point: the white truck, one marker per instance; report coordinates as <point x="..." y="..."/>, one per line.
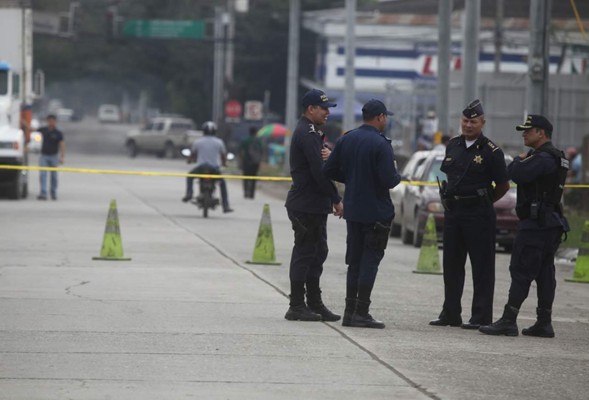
<point x="16" y="90"/>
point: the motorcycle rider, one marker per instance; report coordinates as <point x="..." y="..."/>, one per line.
<point x="210" y="154"/>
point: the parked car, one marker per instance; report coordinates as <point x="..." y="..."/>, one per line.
<point x="64" y="114"/>
<point x="109" y="113"/>
<point x="165" y="136"/>
<point x="421" y="200"/>
<point x="398" y="192"/>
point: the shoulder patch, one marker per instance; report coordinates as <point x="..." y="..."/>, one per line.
<point x="493" y="146"/>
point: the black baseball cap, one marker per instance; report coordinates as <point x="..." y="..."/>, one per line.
<point x="374" y="108"/>
<point x="535" y="121"/>
<point x="473" y="110"/>
<point x="316" y="97"/>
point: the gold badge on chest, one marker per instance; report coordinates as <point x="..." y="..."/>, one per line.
<point x="478" y="159"/>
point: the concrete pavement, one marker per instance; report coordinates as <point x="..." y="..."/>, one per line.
<point x="188" y="318"/>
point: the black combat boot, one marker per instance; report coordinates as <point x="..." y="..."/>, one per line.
<point x="315" y="303"/>
<point x="361" y="318"/>
<point x="543" y="325"/>
<point x="349" y="311"/>
<point x="506" y="325"/>
<point x="298" y="311"/>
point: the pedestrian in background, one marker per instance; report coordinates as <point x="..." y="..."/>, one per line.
<point x="52" y="154"/>
<point x="250" y="156"/>
<point x="311" y="198"/>
<point x="472" y="163"/>
<point x="540" y="175"/>
<point x="363" y="160"/>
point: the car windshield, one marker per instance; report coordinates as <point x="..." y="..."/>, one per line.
<point x="434" y="171"/>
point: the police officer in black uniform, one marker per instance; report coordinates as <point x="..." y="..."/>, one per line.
<point x="363" y="159"/>
<point x="540" y="175"/>
<point x="472" y="163"/>
<point x="310" y="199"/>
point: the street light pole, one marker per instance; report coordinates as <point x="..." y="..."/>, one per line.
<point x="472" y="11"/>
<point x="538" y="61"/>
<point x="219" y="62"/>
<point x="292" y="75"/>
<point x="349" y="89"/>
<point x="445" y="40"/>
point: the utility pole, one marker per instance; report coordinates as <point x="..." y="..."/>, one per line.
<point x="229" y="50"/>
<point x="444" y="45"/>
<point x="498" y="34"/>
<point x="218" y="72"/>
<point x="470" y="58"/>
<point x="538" y="61"/>
<point x="292" y="75"/>
<point x="349" y="119"/>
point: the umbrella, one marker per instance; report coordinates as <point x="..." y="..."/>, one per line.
<point x="272" y="130"/>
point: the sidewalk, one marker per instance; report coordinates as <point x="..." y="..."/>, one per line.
<point x="181" y="319"/>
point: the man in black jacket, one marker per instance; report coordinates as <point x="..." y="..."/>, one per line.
<point x="310" y="199"/>
<point x="540" y="175"/>
<point x="363" y="159"/>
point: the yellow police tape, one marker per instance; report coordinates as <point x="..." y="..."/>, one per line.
<point x="185" y="175"/>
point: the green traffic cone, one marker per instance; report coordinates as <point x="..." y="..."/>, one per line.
<point x="264" y="247"/>
<point x="581" y="272"/>
<point x="429" y="257"/>
<point x="112" y="244"/>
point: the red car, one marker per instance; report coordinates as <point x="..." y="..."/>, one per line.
<point x="421" y="200"/>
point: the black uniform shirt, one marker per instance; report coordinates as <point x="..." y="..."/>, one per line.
<point x="51" y="139"/>
<point x="311" y="191"/>
<point x="531" y="169"/>
<point x="475" y="167"/>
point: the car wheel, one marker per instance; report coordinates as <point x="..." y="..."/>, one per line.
<point x="417" y="237"/>
<point x="170" y="150"/>
<point x="16" y="190"/>
<point x="406" y="235"/>
<point x="132" y="149"/>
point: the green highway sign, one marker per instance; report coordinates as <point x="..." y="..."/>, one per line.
<point x="166" y="29"/>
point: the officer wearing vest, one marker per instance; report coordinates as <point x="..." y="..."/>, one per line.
<point x="472" y="164"/>
<point x="540" y="175"/>
<point x="310" y="199"/>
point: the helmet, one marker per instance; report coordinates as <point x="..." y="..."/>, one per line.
<point x="209" y="128"/>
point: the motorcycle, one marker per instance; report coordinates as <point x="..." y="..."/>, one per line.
<point x="205" y="200"/>
<point x="206" y="197"/>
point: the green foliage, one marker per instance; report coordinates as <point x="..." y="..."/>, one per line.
<point x="176" y="74"/>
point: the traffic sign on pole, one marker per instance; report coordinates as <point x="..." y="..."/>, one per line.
<point x="166" y="29"/>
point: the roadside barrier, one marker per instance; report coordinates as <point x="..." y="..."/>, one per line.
<point x="429" y="257"/>
<point x="264" y="247"/>
<point x="581" y="272"/>
<point x="112" y="245"/>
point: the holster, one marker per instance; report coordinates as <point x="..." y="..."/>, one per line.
<point x="378" y="237"/>
<point x="306" y="229"/>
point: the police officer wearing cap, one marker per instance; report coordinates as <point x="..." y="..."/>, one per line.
<point x="310" y="199"/>
<point x="363" y="160"/>
<point x="540" y="175"/>
<point x="472" y="164"/>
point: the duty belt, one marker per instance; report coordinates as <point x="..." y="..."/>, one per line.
<point x="464" y="201"/>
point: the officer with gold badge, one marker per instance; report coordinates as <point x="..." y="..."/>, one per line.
<point x="472" y="164"/>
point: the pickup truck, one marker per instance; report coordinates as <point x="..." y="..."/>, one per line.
<point x="164" y="136"/>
